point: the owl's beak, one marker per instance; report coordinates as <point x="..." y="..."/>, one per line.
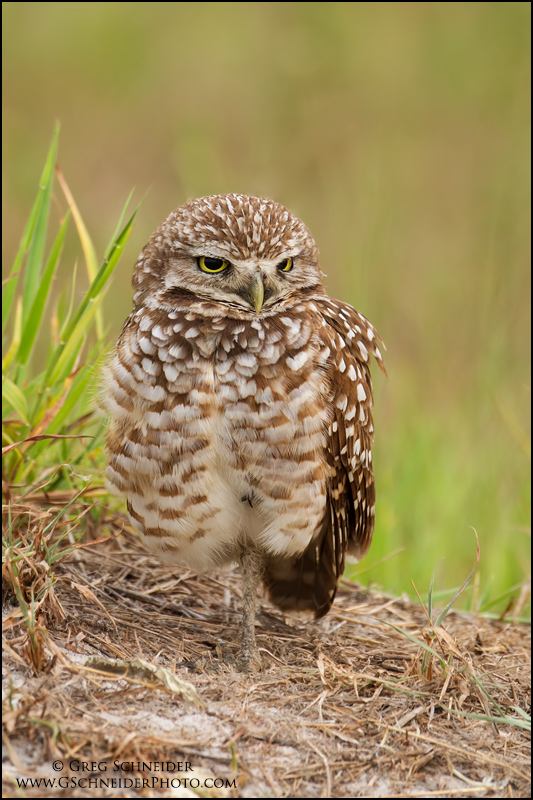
<point x="256" y="293"/>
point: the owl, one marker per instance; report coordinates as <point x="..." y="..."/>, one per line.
<point x="240" y="406"/>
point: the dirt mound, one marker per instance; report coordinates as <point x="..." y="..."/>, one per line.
<point x="346" y="707"/>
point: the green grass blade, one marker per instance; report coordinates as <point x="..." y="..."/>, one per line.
<point x="430" y="593"/>
<point x="109" y="264"/>
<point x="68" y="414"/>
<point x="522" y="713"/>
<point x="77" y="389"/>
<point x="17" y="334"/>
<point x="36" y="314"/>
<point x="80" y="386"/>
<point x="32" y="274"/>
<point x="91" y="296"/>
<point x="118" y="226"/>
<point x="63" y="511"/>
<point x="418" y="642"/>
<point x="462" y="587"/>
<point x="11" y="284"/>
<point x="64" y="320"/>
<point x="15" y="398"/>
<point x="65" y="363"/>
<point x="12" y="281"/>
<point x="525" y="724"/>
<point x="484" y="605"/>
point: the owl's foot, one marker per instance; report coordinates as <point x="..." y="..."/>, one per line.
<point x="248" y="661"/>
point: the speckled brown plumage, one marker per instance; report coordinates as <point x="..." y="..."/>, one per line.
<point x="240" y="403"/>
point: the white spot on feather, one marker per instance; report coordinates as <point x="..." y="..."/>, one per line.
<point x="171" y="373"/>
<point x="147" y="346"/>
<point x="149" y="367"/>
<point x="298" y="361"/>
<point x="350" y="413"/>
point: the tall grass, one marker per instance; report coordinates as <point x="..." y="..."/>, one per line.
<point x="51" y="441"/>
<point x="49" y="431"/>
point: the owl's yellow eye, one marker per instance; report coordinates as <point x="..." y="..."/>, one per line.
<point x="285" y="265"/>
<point x="212" y="265"/>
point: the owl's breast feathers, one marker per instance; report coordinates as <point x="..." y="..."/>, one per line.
<point x="208" y="410"/>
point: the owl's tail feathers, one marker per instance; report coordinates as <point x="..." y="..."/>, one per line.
<point x="307" y="582"/>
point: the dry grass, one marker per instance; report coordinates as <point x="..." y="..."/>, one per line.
<point x="347" y="707"/>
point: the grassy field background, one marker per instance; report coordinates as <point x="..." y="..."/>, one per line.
<point x="400" y="133"/>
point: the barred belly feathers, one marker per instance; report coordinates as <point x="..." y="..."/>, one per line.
<point x="240" y="406"/>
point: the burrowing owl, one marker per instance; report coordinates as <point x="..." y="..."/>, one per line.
<point x="240" y="406"/>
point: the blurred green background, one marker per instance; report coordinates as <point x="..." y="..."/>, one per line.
<point x="399" y="132"/>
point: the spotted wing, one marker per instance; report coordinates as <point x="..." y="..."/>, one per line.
<point x="309" y="582"/>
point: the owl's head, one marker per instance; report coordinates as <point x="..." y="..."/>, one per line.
<point x="241" y="253"/>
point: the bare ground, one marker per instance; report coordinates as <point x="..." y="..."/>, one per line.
<point x="343" y="708"/>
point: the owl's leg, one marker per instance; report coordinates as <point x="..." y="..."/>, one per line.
<point x="248" y="658"/>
